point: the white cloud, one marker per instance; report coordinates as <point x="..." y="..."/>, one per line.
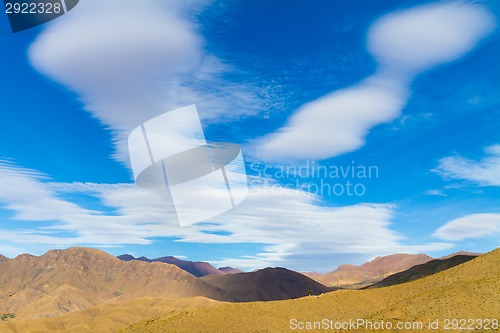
<point x="423" y="37"/>
<point x="336" y="123"/>
<point x="404" y="43"/>
<point x="300" y="233"/>
<point x="485" y="172"/>
<point x="21" y="186"/>
<point x="31" y="198"/>
<point x="470" y="226"/>
<point x="306" y="235"/>
<point x="132" y="60"/>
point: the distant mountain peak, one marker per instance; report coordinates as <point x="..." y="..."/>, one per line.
<point x="461" y="253"/>
<point x="371" y="271"/>
<point x="126" y="257"/>
<point x="196" y="268"/>
<point x="423" y="270"/>
<point x="230" y="270"/>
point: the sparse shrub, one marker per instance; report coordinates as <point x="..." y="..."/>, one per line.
<point x="7" y="316"/>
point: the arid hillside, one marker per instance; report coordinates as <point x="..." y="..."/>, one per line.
<point x="107" y="318"/>
<point x="470" y="290"/>
<point x="63" y="281"/>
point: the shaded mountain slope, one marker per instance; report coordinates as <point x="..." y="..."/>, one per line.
<point x="266" y="284"/>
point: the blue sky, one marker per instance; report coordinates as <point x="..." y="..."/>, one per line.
<point x="409" y="88"/>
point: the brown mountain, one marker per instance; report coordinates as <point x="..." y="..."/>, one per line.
<point x="63" y="281"/>
<point x="2" y="258"/>
<point x="370" y="272"/>
<point x="197" y="268"/>
<point x="266" y="284"/>
<point x="423" y="270"/>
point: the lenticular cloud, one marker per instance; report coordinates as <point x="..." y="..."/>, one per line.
<point x="404" y="44"/>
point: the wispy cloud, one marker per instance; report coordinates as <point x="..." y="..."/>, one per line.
<point x="30" y="197"/>
<point x="484" y="172"/>
<point x="24" y="192"/>
<point x="470" y="226"/>
<point x="439" y="193"/>
<point x="300" y="233"/>
<point x="404" y="43"/>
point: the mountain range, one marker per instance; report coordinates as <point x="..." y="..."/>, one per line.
<point x="196" y="268"/>
<point x="470" y="290"/>
<point x="64" y="281"/>
<point x="355" y="277"/>
<point x="159" y="297"/>
<point x="345" y="276"/>
<point x="369" y="272"/>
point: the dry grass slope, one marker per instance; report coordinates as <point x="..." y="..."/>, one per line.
<point x="106" y="318"/>
<point x="470" y="290"/>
